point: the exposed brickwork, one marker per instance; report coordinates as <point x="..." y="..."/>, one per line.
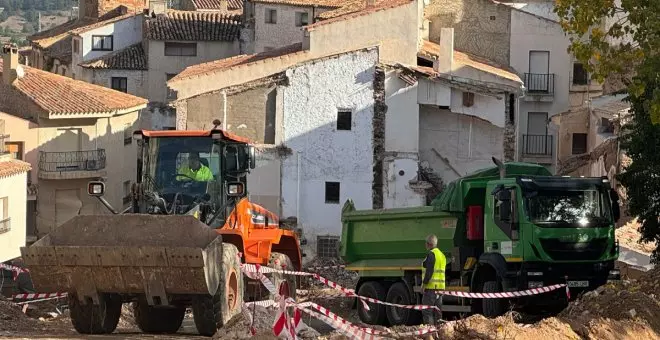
<point x="380" y="109"/>
<point x="509" y="130"/>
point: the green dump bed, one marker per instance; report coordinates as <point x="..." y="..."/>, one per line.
<point x="393" y="238"/>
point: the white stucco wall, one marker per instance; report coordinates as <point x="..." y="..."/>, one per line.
<point x="310" y="103"/>
<point x="124" y="33"/>
<point x="485" y="107"/>
<point x="13" y="188"/>
<point x="284" y="32"/>
<point x="529" y="33"/>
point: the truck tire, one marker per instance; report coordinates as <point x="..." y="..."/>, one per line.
<point x="376" y="315"/>
<point x="212" y="312"/>
<point x="399" y="294"/>
<point x="493" y="308"/>
<point x="95" y="319"/>
<point x="157" y="320"/>
<point x="283" y="262"/>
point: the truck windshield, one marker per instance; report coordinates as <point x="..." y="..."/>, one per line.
<point x="570" y="208"/>
<point x="182" y="164"/>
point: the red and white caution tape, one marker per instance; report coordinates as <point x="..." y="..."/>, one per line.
<point x="504" y="295"/>
<point x="34" y="296"/>
<point x="14" y="268"/>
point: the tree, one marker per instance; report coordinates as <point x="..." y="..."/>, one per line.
<point x="610" y="37"/>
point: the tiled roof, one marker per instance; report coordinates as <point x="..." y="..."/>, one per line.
<point x="129" y="58"/>
<point x="49" y="37"/>
<point x="13" y="167"/>
<point x="194" y="26"/>
<point x="232" y="5"/>
<point x="355" y="8"/>
<point x="57" y="94"/>
<point x="322" y="3"/>
<point x="227" y="63"/>
<point x="433" y="49"/>
<point x="91" y="26"/>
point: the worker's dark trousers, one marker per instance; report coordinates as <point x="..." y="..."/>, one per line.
<point x="431" y="298"/>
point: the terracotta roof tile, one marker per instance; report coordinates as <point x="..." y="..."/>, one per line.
<point x="322" y="3"/>
<point x="432" y="49"/>
<point x="91" y="26"/>
<point x="13" y="167"/>
<point x="232" y="5"/>
<point x="227" y="63"/>
<point x="57" y="94"/>
<point x="129" y="58"/>
<point x="194" y="26"/>
<point x="354" y="9"/>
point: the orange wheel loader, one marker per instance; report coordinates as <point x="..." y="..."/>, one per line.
<point x="176" y="246"/>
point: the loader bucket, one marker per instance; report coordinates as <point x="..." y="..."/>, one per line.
<point x="155" y="255"/>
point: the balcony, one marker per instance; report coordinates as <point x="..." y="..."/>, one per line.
<point x="72" y="164"/>
<point x="537" y="148"/>
<point x="5" y="225"/>
<point x="540" y="85"/>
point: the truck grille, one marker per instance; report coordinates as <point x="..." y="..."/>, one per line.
<point x="575" y="251"/>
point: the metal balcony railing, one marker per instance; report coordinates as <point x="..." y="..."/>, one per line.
<point x="540" y="83"/>
<point x="537" y="145"/>
<point x="5" y="225"/>
<point x="89" y="160"/>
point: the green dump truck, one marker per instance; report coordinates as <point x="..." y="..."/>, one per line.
<point x="511" y="227"/>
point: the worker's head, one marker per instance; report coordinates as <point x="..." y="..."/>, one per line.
<point x="193" y="160"/>
<point x="431" y="242"/>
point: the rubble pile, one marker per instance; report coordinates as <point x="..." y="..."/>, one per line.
<point x="629" y="235"/>
<point x="12" y="317"/>
<point x="341" y="276"/>
<point x="238" y="327"/>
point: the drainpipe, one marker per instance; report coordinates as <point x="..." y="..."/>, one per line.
<point x="224" y="109"/>
<point x="298" y="188"/>
<point x="516" y="116"/>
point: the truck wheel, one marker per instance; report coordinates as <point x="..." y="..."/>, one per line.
<point x="157" y="320"/>
<point x="399" y="294"/>
<point x="283" y="262"/>
<point x="95" y="319"/>
<point x="212" y="312"/>
<point x="376" y="315"/>
<point x="493" y="308"/>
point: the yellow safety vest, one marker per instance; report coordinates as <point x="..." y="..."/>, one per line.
<point x="437" y="280"/>
<point x="201" y="175"/>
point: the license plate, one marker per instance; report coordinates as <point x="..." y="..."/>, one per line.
<point x="578" y="283"/>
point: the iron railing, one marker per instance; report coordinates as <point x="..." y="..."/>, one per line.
<point x="5" y="225"/>
<point x="540" y="83"/>
<point x="538" y="145"/>
<point x="89" y="160"/>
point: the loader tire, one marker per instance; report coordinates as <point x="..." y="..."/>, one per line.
<point x="212" y="312"/>
<point x="157" y="320"/>
<point x="283" y="262"/>
<point x="95" y="319"/>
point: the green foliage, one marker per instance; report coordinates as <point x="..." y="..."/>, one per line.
<point x="594" y="26"/>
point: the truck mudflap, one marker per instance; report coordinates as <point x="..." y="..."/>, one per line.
<point x="155" y="255"/>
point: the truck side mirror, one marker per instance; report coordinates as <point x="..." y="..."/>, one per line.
<point x="252" y="156"/>
<point x="235" y="189"/>
<point x="616" y="210"/>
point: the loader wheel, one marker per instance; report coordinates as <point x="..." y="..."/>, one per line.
<point x="493" y="308"/>
<point x="157" y="320"/>
<point x="212" y="312"/>
<point x="376" y="315"/>
<point x="95" y="319"/>
<point x="285" y="284"/>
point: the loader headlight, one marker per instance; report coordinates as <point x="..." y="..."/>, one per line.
<point x="95" y="188"/>
<point x="235" y="189"/>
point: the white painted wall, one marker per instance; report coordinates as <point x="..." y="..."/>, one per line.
<point x="310" y="103"/>
<point x="124" y="33"/>
<point x="485" y="107"/>
<point x="529" y="33"/>
<point x="13" y="188"/>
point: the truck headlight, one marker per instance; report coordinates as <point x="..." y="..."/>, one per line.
<point x="534" y="273"/>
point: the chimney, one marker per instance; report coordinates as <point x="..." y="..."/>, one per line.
<point x="444" y="63"/>
<point x="9" y="63"/>
<point x="371" y="3"/>
<point x="157" y="7"/>
<point x="224" y="5"/>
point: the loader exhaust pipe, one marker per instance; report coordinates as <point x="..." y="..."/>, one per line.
<point x="501" y="167"/>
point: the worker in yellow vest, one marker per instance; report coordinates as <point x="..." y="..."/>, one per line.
<point x="433" y="279"/>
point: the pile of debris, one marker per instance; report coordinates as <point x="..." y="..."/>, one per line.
<point x="629" y="236"/>
<point x="330" y="269"/>
<point x="13" y="319"/>
<point x="239" y="326"/>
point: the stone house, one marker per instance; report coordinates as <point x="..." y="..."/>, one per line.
<point x="84" y="132"/>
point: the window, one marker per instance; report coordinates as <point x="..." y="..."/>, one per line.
<point x="181" y="49"/>
<point x="76" y="46"/>
<point x="579" y="143"/>
<point x="468" y="99"/>
<point x="5" y="222"/>
<point x="101" y="43"/>
<point x="327" y="246"/>
<point x="302" y="19"/>
<point x="271" y="16"/>
<point x="512" y="108"/>
<point x="119" y="84"/>
<point x="580" y="76"/>
<point x="606" y="126"/>
<point x="128" y="134"/>
<point x="127" y="192"/>
<point x="344" y="120"/>
<point x="332" y="192"/>
<point x="171" y="94"/>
